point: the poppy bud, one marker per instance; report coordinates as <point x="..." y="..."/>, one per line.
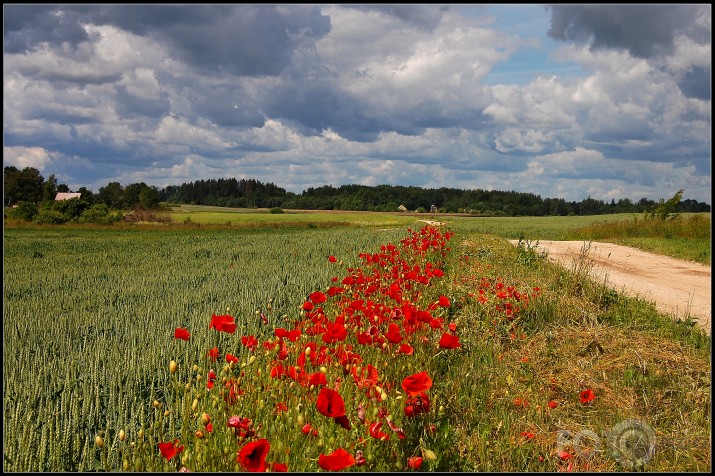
<point x="323" y="370"/>
<point x="307" y="351"/>
<point x="251" y="359"/>
<point x="300" y="420"/>
<point x="141" y="433"/>
<point x="156" y="403"/>
<point x="195" y="404"/>
<point x="429" y="454"/>
<point x="205" y="419"/>
<point x="99" y="441"/>
<point x="122" y="435"/>
<point x="167" y="413"/>
<point x="125" y="465"/>
<point x="173" y="366"/>
<point x="199" y="434"/>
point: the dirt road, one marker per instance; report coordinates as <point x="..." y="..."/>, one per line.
<point x="676" y="287"/>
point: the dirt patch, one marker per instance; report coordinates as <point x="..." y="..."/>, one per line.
<point x="676" y="287"/>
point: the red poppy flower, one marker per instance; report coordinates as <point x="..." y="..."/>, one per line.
<point x="170" y="449"/>
<point x="444" y="301"/>
<point x="452" y="327"/>
<point x="279" y="467"/>
<point x="414" y="462"/>
<point x="414" y="405"/>
<point x="249" y="341"/>
<point x="223" y="323"/>
<point x="528" y="435"/>
<point x="253" y="456"/>
<point x="336" y="461"/>
<point x="213" y="354"/>
<point x="211" y="379"/>
<point x="376" y="433"/>
<point x="521" y="402"/>
<point x="332" y="259"/>
<point x="318" y="297"/>
<point x="393" y="333"/>
<point x="318" y="378"/>
<point x="181" y="333"/>
<point x="449" y="341"/>
<point x="417" y="383"/>
<point x="406" y="349"/>
<point x="587" y="396"/>
<point x="308" y="306"/>
<point x="231" y="358"/>
<point x="330" y="403"/>
<point x="552" y="404"/>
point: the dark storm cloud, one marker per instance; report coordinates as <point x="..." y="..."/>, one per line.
<point x="246" y="40"/>
<point x="697" y="83"/>
<point x="644" y="30"/>
<point x="28" y="26"/>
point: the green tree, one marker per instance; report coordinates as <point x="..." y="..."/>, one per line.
<point x="666" y="210"/>
<point x="49" y="188"/>
<point x="111" y="195"/>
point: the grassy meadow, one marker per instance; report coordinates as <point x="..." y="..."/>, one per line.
<point x="90" y="313"/>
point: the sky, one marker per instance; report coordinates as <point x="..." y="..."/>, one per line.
<point x="563" y="101"/>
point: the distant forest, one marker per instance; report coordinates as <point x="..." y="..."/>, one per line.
<point x="27" y="185"/>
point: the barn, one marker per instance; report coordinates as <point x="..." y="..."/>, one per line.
<point x="67" y="195"/>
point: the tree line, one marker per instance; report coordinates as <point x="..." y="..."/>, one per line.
<point x="28" y="186"/>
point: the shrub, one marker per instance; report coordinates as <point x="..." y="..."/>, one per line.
<point x="24" y="211"/>
<point x="50" y="217"/>
<point x="276" y="210"/>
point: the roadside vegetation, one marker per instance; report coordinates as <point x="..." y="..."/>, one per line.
<point x="184" y="345"/>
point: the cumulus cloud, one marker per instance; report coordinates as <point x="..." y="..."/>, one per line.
<point x="307" y="95"/>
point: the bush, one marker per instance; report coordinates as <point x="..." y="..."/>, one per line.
<point x="50" y="217"/>
<point x="276" y="210"/>
<point x="24" y="211"/>
<point x="99" y="214"/>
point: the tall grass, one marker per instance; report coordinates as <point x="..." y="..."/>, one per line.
<point x="686" y="237"/>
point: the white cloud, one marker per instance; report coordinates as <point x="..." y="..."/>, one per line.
<point x="22" y="157"/>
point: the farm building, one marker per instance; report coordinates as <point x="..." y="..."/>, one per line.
<point x="66" y="196"/>
<point x="402" y="208"/>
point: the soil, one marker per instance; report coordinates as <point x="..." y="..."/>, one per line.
<point x="676" y="287"/>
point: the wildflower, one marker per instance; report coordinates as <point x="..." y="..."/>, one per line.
<point x="587" y="396"/>
<point x="279" y="467"/>
<point x="414" y="462"/>
<point x="330" y="403"/>
<point x="417" y="383"/>
<point x="332" y="259"/>
<point x="253" y="456"/>
<point x="416" y="404"/>
<point x="376" y="433"/>
<point x="336" y="461"/>
<point x="393" y="334"/>
<point x="173" y="366"/>
<point x="444" y="301"/>
<point x="528" y="435"/>
<point x="521" y="402"/>
<point x="170" y="449"/>
<point x="224" y="323"/>
<point x="181" y="333"/>
<point x="249" y="341"/>
<point x="231" y="358"/>
<point x="449" y="341"/>
<point x="211" y="379"/>
<point x="552" y="404"/>
<point x="212" y="354"/>
<point x="318" y="297"/>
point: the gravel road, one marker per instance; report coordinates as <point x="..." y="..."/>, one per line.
<point x="676" y="287"/>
